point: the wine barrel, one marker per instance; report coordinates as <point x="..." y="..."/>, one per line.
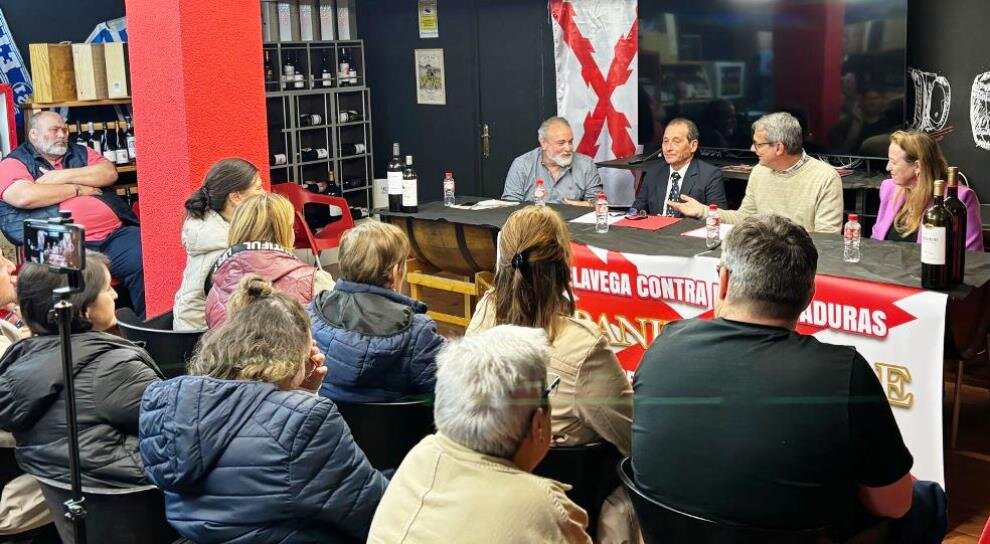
<point x="452" y="247"/>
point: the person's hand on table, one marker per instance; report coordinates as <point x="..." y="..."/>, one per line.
<point x="584" y="203"/>
<point x="316" y="369"/>
<point x="689" y="207"/>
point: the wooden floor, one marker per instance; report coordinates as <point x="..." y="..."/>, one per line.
<point x="967" y="469"/>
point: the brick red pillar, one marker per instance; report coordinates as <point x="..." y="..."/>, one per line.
<point x="198" y="93"/>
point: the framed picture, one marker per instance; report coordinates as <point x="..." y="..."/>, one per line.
<point x="430" y="84"/>
<point x="8" y="123"/>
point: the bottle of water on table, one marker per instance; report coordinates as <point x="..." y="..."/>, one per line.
<point x="540" y="194"/>
<point x="851" y="234"/>
<point x="601" y="214"/>
<point x="713" y="227"/>
<point x="448" y="189"/>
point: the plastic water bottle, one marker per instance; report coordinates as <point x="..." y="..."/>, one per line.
<point x="601" y="214"/>
<point x="713" y="227"/>
<point x="851" y="234"/>
<point x="448" y="189"/>
<point x="540" y="194"/>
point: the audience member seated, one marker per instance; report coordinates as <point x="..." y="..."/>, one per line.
<point x="204" y="234"/>
<point x="681" y="175"/>
<point x="260" y="242"/>
<point x="569" y="177"/>
<point x="471" y="481"/>
<point x="243" y="448"/>
<point x="787" y="181"/>
<point x="380" y="344"/>
<point x="742" y="420"/>
<point x="914" y="162"/>
<point x="22" y="506"/>
<point x="47" y="174"/>
<point x="110" y="376"/>
<point x="867" y="119"/>
<point x="533" y="289"/>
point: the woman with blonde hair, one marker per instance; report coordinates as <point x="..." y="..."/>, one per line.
<point x="243" y="448"/>
<point x="380" y="344"/>
<point x="533" y="289"/>
<point x="205" y="230"/>
<point x="260" y="242"/>
<point x="914" y="162"/>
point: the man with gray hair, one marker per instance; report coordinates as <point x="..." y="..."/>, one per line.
<point x="568" y="176"/>
<point x="47" y="174"/>
<point x="471" y="481"/>
<point x="743" y="420"/>
<point x="787" y="181"/>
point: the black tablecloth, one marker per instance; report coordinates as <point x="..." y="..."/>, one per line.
<point x="897" y="263"/>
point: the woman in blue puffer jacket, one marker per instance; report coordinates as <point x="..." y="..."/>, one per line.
<point x="243" y="449"/>
<point x="379" y="344"/>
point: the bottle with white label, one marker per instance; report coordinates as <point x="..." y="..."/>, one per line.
<point x="448" y="189"/>
<point x="129" y="135"/>
<point x="311" y="154"/>
<point x="713" y="227"/>
<point x="410" y="182"/>
<point x="601" y="214"/>
<point x="851" y="235"/>
<point x="394" y="179"/>
<point x="540" y="194"/>
<point x="121" y="143"/>
<point x="94" y="142"/>
<point x="935" y="223"/>
<point x="107" y="143"/>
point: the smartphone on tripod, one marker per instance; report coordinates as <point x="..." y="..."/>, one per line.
<point x="60" y="246"/>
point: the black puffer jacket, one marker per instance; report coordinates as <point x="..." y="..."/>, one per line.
<point x="110" y="375"/>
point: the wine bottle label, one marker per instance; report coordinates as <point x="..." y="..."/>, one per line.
<point x="96" y="146"/>
<point x="394" y="183"/>
<point x="131" y="151"/>
<point x="110" y="155"/>
<point x="358" y="149"/>
<point x="932" y="245"/>
<point x="122" y="157"/>
<point x="322" y="153"/>
<point x="280" y="158"/>
<point x="409" y="197"/>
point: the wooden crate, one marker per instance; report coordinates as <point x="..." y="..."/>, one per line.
<point x="116" y="58"/>
<point x="52" y="72"/>
<point x="91" y="71"/>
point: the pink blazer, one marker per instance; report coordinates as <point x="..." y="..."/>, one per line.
<point x="889" y="208"/>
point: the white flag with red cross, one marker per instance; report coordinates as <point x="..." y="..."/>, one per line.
<point x="595" y="52"/>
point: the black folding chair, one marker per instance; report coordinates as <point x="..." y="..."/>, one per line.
<point x="386" y="431"/>
<point x="170" y="349"/>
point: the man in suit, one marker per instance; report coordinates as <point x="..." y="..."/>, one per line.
<point x="682" y="175"/>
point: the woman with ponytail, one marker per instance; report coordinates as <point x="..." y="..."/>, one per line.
<point x="533" y="289"/>
<point x="204" y="233"/>
<point x="243" y="448"/>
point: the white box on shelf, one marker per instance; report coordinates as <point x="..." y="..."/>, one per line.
<point x="288" y="21"/>
<point x="326" y="20"/>
<point x="346" y="22"/>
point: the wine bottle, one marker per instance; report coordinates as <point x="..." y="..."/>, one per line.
<point x="129" y="136"/>
<point x="410" y="181"/>
<point x="269" y="74"/>
<point x="326" y="71"/>
<point x="956" y="242"/>
<point x="121" y="144"/>
<point x="278" y="159"/>
<point x="106" y="143"/>
<point x="78" y="136"/>
<point x="343" y="77"/>
<point x="934" y="236"/>
<point x="310" y="119"/>
<point x="311" y="154"/>
<point x="394" y="175"/>
<point x="332" y="188"/>
<point x="347" y="150"/>
<point x="93" y="141"/>
<point x="348" y="116"/>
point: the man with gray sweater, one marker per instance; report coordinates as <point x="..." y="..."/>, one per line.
<point x="787" y="181"/>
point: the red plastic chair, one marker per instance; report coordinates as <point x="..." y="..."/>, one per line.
<point x="327" y="237"/>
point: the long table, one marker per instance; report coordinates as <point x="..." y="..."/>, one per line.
<point x="631" y="282"/>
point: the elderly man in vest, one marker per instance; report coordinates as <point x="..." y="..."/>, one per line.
<point x="47" y="174"/>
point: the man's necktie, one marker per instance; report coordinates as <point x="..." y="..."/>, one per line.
<point x="675" y="193"/>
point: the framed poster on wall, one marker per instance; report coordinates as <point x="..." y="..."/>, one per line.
<point x="430" y="85"/>
<point x="8" y="123"/>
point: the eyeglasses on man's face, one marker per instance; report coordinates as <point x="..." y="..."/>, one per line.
<point x="757" y="145"/>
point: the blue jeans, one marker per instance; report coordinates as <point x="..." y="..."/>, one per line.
<point x="123" y="248"/>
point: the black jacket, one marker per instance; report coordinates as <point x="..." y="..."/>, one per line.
<point x="110" y="376"/>
<point x="702" y="182"/>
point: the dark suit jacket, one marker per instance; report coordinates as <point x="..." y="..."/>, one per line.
<point x="702" y="181"/>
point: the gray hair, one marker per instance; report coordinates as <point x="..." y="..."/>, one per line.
<point x="541" y="132"/>
<point x="692" y="129"/>
<point x="784" y="128"/>
<point x="488" y="385"/>
<point x="36" y="118"/>
<point x="772" y="263"/>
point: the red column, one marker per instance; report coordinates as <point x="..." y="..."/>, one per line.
<point x="198" y="93"/>
<point x="807" y="52"/>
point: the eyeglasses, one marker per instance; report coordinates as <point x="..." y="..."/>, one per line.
<point x="758" y="144"/>
<point x="550" y="388"/>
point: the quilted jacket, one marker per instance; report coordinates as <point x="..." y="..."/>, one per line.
<point x="380" y="345"/>
<point x="244" y="462"/>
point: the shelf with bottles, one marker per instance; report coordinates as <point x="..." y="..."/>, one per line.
<point x="293" y="67"/>
<point x="113" y="139"/>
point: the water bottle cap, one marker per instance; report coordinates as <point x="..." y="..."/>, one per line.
<point x="601" y="195"/>
<point x="448" y="174"/>
<point x="713" y="207"/>
<point x="854" y="217"/>
<point x="539" y="182"/>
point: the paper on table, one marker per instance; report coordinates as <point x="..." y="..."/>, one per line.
<point x="724" y="230"/>
<point x="653" y="222"/>
<point x="589" y="218"/>
<point x="486" y="205"/>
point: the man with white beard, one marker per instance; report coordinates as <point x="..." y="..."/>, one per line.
<point x="47" y="174"/>
<point x="569" y="177"/>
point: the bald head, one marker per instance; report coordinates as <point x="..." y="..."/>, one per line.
<point x="48" y="134"/>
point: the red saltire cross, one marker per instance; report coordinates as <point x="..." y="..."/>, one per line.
<point x="618" y="74"/>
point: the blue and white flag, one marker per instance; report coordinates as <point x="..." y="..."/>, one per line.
<point x="12" y="69"/>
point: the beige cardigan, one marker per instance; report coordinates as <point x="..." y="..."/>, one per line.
<point x="444" y="493"/>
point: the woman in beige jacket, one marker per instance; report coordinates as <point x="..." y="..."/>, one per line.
<point x="204" y="233"/>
